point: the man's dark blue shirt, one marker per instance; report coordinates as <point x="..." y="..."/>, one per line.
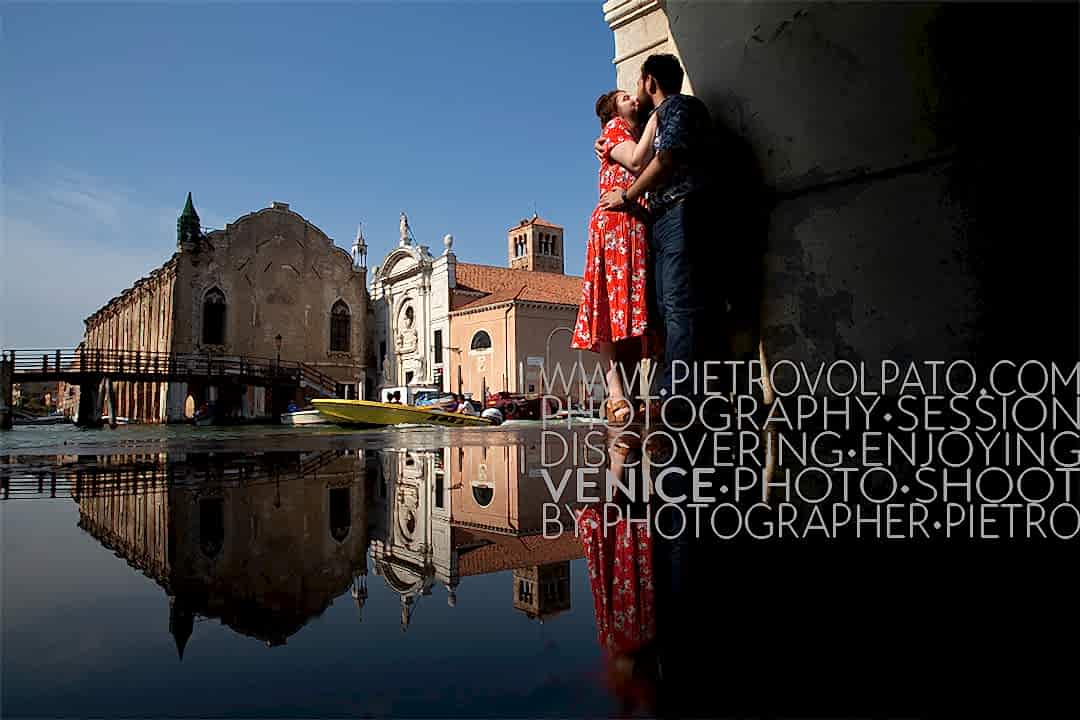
<point x="684" y="128"/>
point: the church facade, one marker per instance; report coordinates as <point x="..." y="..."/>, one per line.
<point x="469" y="328"/>
<point x="269" y="285"/>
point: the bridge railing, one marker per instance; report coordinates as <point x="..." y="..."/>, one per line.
<point x="38" y="362"/>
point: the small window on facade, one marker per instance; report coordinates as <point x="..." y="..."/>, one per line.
<point x="438" y="346"/>
<point x="339" y="327"/>
<point x="481" y="341"/>
<point x="214" y="317"/>
<point x="483" y="495"/>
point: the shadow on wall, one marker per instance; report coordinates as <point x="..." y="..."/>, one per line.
<point x="896" y="181"/>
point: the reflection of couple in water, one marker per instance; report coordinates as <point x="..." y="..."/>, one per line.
<point x="619" y="555"/>
<point x="648" y="259"/>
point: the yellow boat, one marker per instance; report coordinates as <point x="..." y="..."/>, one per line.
<point x="376" y="414"/>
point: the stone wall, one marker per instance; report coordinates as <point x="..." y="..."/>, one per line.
<point x="890" y="189"/>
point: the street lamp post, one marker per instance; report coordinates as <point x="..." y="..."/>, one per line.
<point x="277" y="344"/>
<point x="547" y="360"/>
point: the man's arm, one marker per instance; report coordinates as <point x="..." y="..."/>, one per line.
<point x="657" y="171"/>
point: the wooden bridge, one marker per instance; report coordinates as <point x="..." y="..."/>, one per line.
<point x="43" y="478"/>
<point x="90" y="367"/>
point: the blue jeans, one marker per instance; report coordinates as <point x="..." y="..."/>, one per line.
<point x="684" y="283"/>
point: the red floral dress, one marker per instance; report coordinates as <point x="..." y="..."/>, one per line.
<point x="621" y="576"/>
<point x="613" y="300"/>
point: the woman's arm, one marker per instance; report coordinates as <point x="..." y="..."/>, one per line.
<point x="635" y="157"/>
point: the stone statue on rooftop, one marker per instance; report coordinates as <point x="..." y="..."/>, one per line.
<point x="406" y="231"/>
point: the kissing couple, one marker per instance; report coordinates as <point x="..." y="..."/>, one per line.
<point x="650" y="267"/>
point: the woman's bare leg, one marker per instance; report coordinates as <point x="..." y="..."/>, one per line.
<point x="612" y="377"/>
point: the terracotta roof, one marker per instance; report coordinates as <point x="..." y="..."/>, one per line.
<point x="501" y="284"/>
<point x="506" y="553"/>
<point x="536" y="220"/>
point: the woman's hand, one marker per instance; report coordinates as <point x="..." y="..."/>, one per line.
<point x="600" y="147"/>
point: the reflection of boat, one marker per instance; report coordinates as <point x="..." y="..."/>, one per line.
<point x="371" y="413"/>
<point x="204" y="415"/>
<point x="518" y="406"/>
<point x="309" y="416"/>
<point x="50" y="419"/>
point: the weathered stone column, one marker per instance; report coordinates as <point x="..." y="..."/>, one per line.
<point x="640" y="28"/>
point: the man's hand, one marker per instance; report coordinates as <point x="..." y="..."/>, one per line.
<point x="612" y="200"/>
<point x="603" y="152"/>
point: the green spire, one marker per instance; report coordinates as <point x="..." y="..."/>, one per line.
<point x="189" y="208"/>
<point x="188" y="229"/>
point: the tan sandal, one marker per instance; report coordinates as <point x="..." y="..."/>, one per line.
<point x="623" y="443"/>
<point x="618" y="412"/>
<point x="659" y="447"/>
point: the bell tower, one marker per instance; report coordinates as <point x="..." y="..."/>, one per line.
<point x="535" y="244"/>
<point x="188" y="229"/>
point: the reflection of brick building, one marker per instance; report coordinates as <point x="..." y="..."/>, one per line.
<point x="468" y="326"/>
<point x="263" y="546"/>
<point x="502" y="489"/>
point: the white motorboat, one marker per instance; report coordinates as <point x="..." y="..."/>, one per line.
<point x="308" y="416"/>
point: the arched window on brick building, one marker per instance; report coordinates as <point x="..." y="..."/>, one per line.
<point x="213" y="331"/>
<point x="339" y="327"/>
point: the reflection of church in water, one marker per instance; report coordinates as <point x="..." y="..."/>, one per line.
<point x="447" y="514"/>
<point x="266" y="543"/>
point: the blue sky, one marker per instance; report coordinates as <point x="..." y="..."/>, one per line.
<point x="466" y="115"/>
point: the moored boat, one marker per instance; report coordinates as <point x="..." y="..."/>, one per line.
<point x="377" y="414"/>
<point x="303" y="417"/>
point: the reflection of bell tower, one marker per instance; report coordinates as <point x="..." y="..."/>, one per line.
<point x="181" y="623"/>
<point x="536" y="244"/>
<point x="359" y="591"/>
<point x="542" y="591"/>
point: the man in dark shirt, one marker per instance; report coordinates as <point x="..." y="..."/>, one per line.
<point x="677" y="184"/>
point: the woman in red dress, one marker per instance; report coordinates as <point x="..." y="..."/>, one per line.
<point x="619" y="557"/>
<point x="613" y="303"/>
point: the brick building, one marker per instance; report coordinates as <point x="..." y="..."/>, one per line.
<point x="269" y="285"/>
